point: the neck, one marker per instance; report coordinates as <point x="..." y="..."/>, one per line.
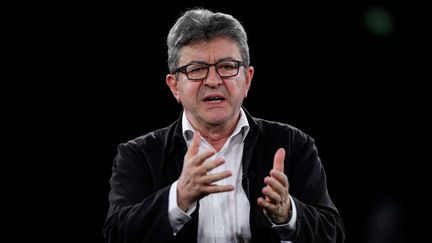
<point x="218" y="134"/>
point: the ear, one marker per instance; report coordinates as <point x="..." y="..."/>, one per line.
<point x="171" y="81"/>
<point x="249" y="75"/>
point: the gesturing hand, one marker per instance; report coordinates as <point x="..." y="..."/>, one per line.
<point x="194" y="182"/>
<point x="276" y="204"/>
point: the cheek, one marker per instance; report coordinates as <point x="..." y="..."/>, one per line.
<point x="237" y="90"/>
<point x="187" y="92"/>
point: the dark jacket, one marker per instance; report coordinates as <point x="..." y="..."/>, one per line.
<point x="145" y="168"/>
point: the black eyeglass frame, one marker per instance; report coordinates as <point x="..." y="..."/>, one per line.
<point x="182" y="69"/>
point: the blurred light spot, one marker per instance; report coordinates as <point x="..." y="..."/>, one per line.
<point x="385" y="220"/>
<point x="379" y="22"/>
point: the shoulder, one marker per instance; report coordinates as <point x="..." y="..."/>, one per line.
<point x="138" y="154"/>
<point x="152" y="141"/>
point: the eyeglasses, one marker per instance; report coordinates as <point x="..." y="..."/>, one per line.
<point x="199" y="71"/>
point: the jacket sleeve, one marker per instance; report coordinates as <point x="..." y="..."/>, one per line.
<point x="138" y="211"/>
<point x="317" y="217"/>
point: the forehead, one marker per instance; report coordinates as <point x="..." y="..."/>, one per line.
<point x="210" y="50"/>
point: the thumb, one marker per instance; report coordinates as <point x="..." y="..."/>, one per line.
<point x="278" y="163"/>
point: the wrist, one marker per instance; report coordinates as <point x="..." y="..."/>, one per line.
<point x="182" y="203"/>
<point x="282" y="219"/>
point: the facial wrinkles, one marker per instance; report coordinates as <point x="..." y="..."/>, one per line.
<point x="211" y="52"/>
<point x="205" y="90"/>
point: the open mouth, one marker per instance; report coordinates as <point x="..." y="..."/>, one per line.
<point x="213" y="99"/>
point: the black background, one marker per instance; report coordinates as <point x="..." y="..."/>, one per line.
<point x="94" y="78"/>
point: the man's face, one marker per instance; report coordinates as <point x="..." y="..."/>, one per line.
<point x="212" y="101"/>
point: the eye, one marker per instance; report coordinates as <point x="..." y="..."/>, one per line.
<point x="196" y="69"/>
<point x="227" y="66"/>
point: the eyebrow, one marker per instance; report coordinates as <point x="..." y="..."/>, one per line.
<point x="217" y="60"/>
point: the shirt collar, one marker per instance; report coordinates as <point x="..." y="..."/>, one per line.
<point x="241" y="127"/>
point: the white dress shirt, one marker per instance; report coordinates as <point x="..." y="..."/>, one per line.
<point x="223" y="217"/>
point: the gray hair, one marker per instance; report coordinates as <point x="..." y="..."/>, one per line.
<point x="201" y="24"/>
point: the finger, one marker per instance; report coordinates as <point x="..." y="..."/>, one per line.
<point x="209" y="179"/>
<point x="281" y="177"/>
<point x="271" y="194"/>
<point x="200" y="158"/>
<point x="278" y="162"/>
<point x="210" y="165"/>
<point x="194" y="147"/>
<point x="266" y="205"/>
<point x="275" y="185"/>
<point x="218" y="188"/>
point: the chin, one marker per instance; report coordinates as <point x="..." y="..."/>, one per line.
<point x="219" y="119"/>
<point x="217" y="116"/>
<point x="216" y="121"/>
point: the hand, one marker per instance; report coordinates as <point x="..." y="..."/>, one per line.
<point x="277" y="203"/>
<point x="194" y="182"/>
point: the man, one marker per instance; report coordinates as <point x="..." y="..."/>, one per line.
<point x="217" y="174"/>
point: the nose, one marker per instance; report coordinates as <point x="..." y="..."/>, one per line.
<point x="213" y="79"/>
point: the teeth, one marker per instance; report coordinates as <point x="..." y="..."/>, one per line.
<point x="213" y="98"/>
<point x="214" y="101"/>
